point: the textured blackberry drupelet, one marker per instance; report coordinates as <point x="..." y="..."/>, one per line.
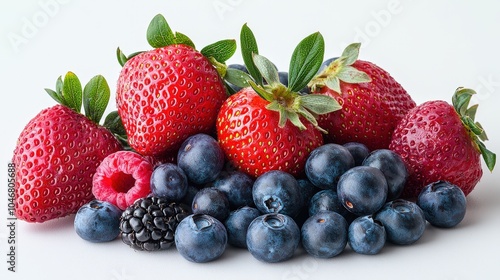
<point x="149" y="224"/>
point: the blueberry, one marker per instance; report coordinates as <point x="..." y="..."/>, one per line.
<point x="201" y="158"/>
<point x="169" y="181"/>
<point x="98" y="221"/>
<point x="328" y="200"/>
<point x="443" y="203"/>
<point x="324" y="235"/>
<point x="237" y="225"/>
<point x="307" y="190"/>
<point x="393" y="167"/>
<point x="190" y="194"/>
<point x="212" y="202"/>
<point x="359" y="152"/>
<point x="273" y="237"/>
<point x="200" y="238"/>
<point x="366" y="235"/>
<point x="277" y="192"/>
<point x="403" y="220"/>
<point x="283" y="77"/>
<point x="237" y="186"/>
<point x="362" y="190"/>
<point x="326" y="164"/>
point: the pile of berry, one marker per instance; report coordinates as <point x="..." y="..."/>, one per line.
<point x="200" y="154"/>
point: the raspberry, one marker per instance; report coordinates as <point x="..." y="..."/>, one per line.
<point x="122" y="178"/>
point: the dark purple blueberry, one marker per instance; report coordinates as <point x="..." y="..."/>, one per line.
<point x="237" y="225"/>
<point x="277" y="192"/>
<point x="362" y="190"/>
<point x="403" y="220"/>
<point x="326" y="164"/>
<point x="212" y="202"/>
<point x="200" y="238"/>
<point x="237" y="186"/>
<point x="443" y="203"/>
<point x="201" y="158"/>
<point x="328" y="200"/>
<point x="190" y="194"/>
<point x="307" y="191"/>
<point x="273" y="237"/>
<point x="169" y="181"/>
<point x="393" y="167"/>
<point x="359" y="152"/>
<point x="98" y="221"/>
<point x="324" y="235"/>
<point x="366" y="235"/>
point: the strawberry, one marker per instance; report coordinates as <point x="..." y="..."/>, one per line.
<point x="166" y="94"/>
<point x="441" y="141"/>
<point x="372" y="101"/>
<point x="58" y="151"/>
<point x="270" y="126"/>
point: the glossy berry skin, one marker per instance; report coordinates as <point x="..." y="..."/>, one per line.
<point x="443" y="203"/>
<point x="169" y="181"/>
<point x="370" y="111"/>
<point x="307" y="190"/>
<point x="328" y="200"/>
<point x="324" y="235"/>
<point x="273" y="238"/>
<point x="358" y="151"/>
<point x="277" y="192"/>
<point x="435" y="146"/>
<point x="326" y="164"/>
<point x="237" y="225"/>
<point x="403" y="220"/>
<point x="366" y="235"/>
<point x="200" y="238"/>
<point x="165" y="95"/>
<point x="122" y="178"/>
<point x="201" y="158"/>
<point x="254" y="143"/>
<point x="362" y="190"/>
<point x="212" y="202"/>
<point x="237" y="186"/>
<point x="98" y="221"/>
<point x="56" y="155"/>
<point x="393" y="167"/>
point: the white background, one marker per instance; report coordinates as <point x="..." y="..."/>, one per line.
<point x="430" y="47"/>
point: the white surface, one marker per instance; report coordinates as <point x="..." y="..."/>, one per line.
<point x="430" y="48"/>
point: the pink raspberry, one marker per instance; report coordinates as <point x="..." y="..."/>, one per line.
<point x="122" y="178"/>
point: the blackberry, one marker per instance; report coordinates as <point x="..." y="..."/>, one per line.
<point x="149" y="224"/>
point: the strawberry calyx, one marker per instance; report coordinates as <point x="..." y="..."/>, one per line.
<point x="460" y="101"/>
<point x="288" y="101"/>
<point x="94" y="97"/>
<point x="159" y="35"/>
<point x="341" y="69"/>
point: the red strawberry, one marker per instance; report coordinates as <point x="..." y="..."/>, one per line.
<point x="167" y="94"/>
<point x="272" y="127"/>
<point x="253" y="142"/>
<point x="372" y="101"/>
<point x="439" y="141"/>
<point x="59" y="150"/>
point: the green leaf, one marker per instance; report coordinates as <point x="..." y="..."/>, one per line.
<point x="237" y="77"/>
<point x="122" y="58"/>
<point x="159" y="33"/>
<point x="489" y="157"/>
<point x="261" y="92"/>
<point x="221" y="50"/>
<point x="266" y="69"/>
<point x="352" y="75"/>
<point x="248" y="49"/>
<point x="72" y="92"/>
<point x="333" y="83"/>
<point x="59" y="86"/>
<point x="54" y="95"/>
<point x="113" y="123"/>
<point x="319" y="103"/>
<point x="471" y="112"/>
<point x="461" y="99"/>
<point x="181" y="38"/>
<point x="351" y="53"/>
<point x="95" y="98"/>
<point x="306" y="60"/>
